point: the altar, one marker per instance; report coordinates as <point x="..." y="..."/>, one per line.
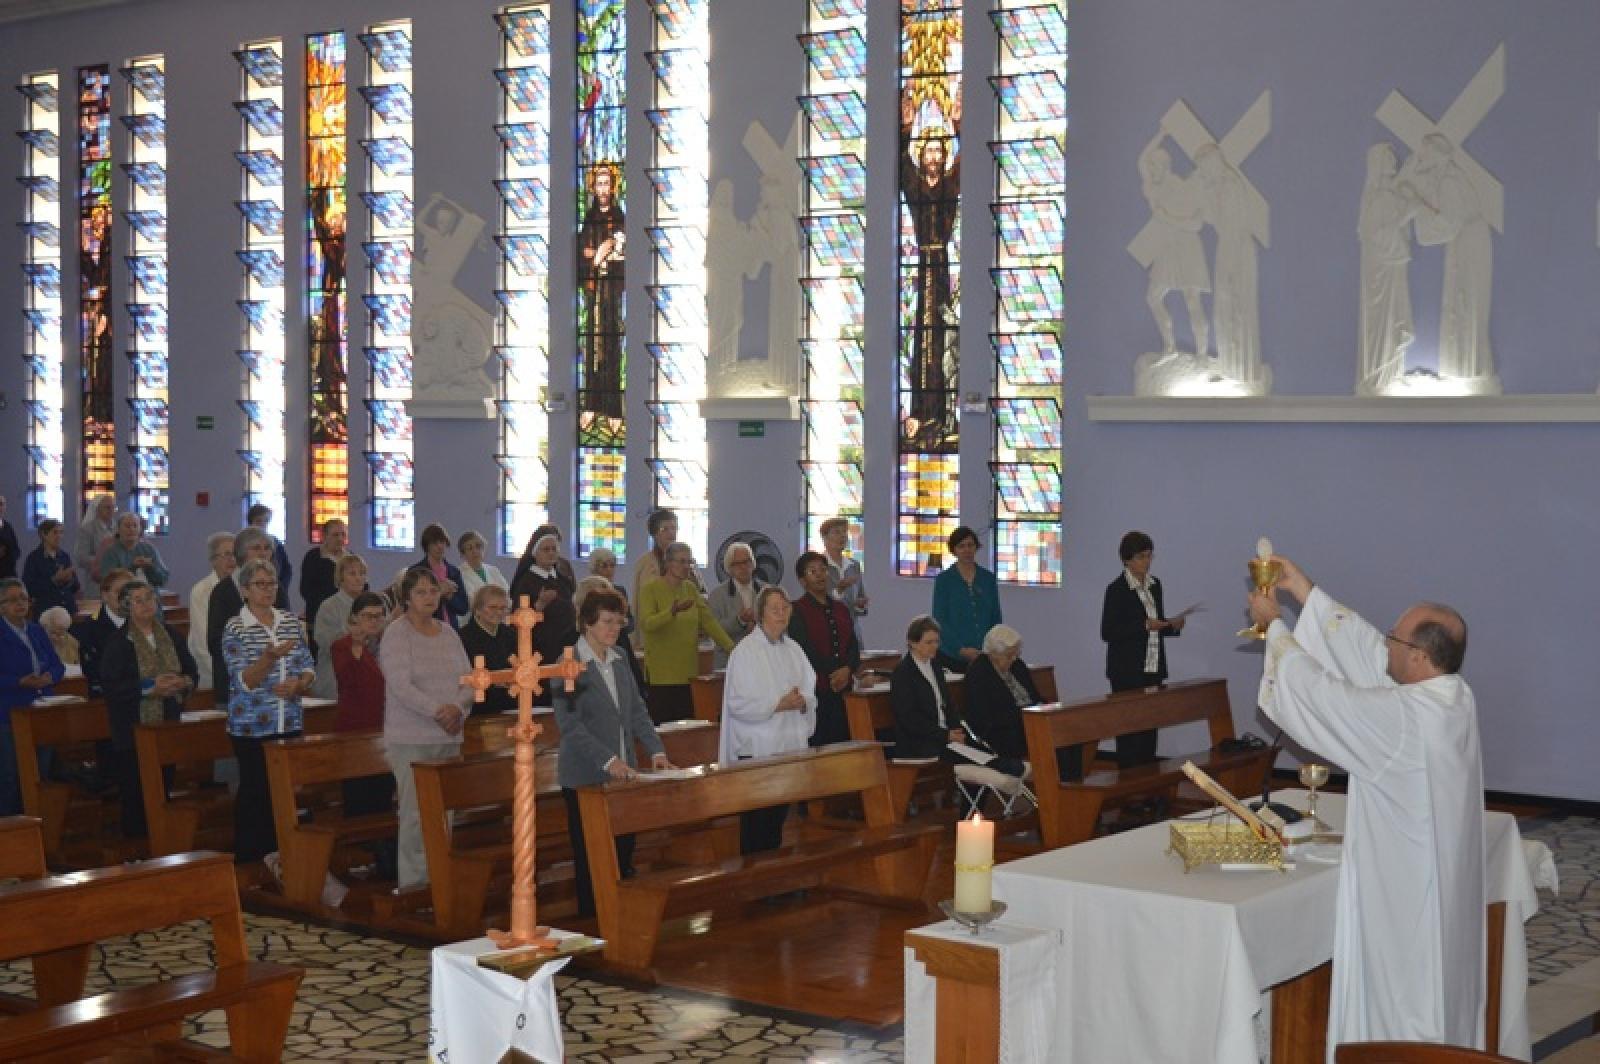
<point x="1160" y="965"/>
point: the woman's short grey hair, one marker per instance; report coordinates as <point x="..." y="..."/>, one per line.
<point x="1001" y="639"/>
<point x="602" y="556"/>
<point x="214" y="544"/>
<point x="116" y="522"/>
<point x="55" y="617"/>
<point x="487" y="592"/>
<point x="247" y="538"/>
<point x="677" y="548"/>
<point x="254" y="568"/>
<point x="736" y="548"/>
<point x="590" y="584"/>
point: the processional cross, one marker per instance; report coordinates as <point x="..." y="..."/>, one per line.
<point x="522" y="681"/>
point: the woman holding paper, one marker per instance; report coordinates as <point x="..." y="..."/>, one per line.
<point x="926" y="724"/>
<point x="600" y="719"/>
<point x="1135" y="630"/>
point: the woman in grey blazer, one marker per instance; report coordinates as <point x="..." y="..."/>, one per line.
<point x="600" y="720"/>
<point x="733" y="602"/>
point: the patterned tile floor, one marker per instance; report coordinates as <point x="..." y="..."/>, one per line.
<point x="366" y="999"/>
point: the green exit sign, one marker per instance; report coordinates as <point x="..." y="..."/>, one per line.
<point x="752" y="429"/>
<point x="205" y="422"/>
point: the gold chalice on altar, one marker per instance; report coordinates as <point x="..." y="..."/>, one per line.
<point x="1264" y="575"/>
<point x="1312" y="777"/>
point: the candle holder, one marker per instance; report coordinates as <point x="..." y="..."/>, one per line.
<point x="974" y="922"/>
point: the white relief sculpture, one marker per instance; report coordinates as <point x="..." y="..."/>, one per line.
<point x="1387" y="207"/>
<point x="1458" y="205"/>
<point x="452" y="335"/>
<point x="737" y="251"/>
<point x="1216" y="193"/>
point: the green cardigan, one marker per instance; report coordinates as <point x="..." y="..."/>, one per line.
<point x="672" y="640"/>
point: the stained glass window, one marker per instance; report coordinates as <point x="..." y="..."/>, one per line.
<point x="146" y="118"/>
<point x="1030" y="222"/>
<point x="392" y="226"/>
<point x="928" y="163"/>
<point x="524" y="236"/>
<point x="95" y="345"/>
<point x="261" y="253"/>
<point x="41" y="337"/>
<point x="677" y="246"/>
<point x="601" y="101"/>
<point x="832" y="233"/>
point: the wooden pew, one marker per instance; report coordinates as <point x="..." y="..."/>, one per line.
<point x="869" y="712"/>
<point x="489" y="733"/>
<point x="174" y="818"/>
<point x="21" y="848"/>
<point x="66" y="724"/>
<point x="1069" y="812"/>
<point x="705" y="692"/>
<point x="307" y="848"/>
<point x="465" y="808"/>
<point x="61" y="919"/>
<point x="897" y="856"/>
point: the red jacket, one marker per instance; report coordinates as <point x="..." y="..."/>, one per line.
<point x="360" y="687"/>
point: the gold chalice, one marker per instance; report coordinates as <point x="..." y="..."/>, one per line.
<point x="1264" y="574"/>
<point x="1312" y="777"/>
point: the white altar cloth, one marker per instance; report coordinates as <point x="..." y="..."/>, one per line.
<point x="1027" y="990"/>
<point x="1158" y="965"/>
<point x="478" y="1014"/>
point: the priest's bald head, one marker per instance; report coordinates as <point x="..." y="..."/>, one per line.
<point x="1428" y="640"/>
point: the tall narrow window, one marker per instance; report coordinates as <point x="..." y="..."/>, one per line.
<point x="602" y="44"/>
<point x="524" y="240"/>
<point x="327" y="294"/>
<point x="1030" y="221"/>
<point x="41" y="307"/>
<point x="94" y="278"/>
<point x="833" y="229"/>
<point x="261" y="183"/>
<point x="678" y="262"/>
<point x="929" y="166"/>
<point x="388" y="299"/>
<point x="146" y="168"/>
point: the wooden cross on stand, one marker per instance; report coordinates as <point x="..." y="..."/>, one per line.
<point x="522" y="680"/>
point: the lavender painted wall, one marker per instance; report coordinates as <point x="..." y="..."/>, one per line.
<point x="1382" y="515"/>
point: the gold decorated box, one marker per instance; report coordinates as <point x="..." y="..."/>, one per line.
<point x="1227" y="842"/>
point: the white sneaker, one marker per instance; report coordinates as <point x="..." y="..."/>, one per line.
<point x="274" y="863"/>
<point x="333" y="892"/>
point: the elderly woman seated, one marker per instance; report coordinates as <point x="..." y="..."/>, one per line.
<point x="999" y="685"/>
<point x="57" y="624"/>
<point x="926" y="724"/>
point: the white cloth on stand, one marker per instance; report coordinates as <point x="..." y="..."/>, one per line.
<point x="479" y="1014"/>
<point x="1027" y="990"/>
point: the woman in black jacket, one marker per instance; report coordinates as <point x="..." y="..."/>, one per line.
<point x="146" y="671"/>
<point x="1135" y="630"/>
<point x="925" y="722"/>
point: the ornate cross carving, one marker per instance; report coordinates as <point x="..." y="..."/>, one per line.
<point x="522" y="680"/>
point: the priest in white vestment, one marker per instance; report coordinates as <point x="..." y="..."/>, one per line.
<point x="1389" y="708"/>
<point x="769" y="707"/>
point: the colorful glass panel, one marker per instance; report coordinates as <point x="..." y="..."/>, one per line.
<point x="262" y="243"/>
<point x="393" y="225"/>
<point x="601" y="97"/>
<point x="95" y="250"/>
<point x="928" y="162"/>
<point x="41" y="298"/>
<point x="1030" y="231"/>
<point x="326" y="287"/>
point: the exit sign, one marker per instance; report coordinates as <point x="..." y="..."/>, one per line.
<point x="752" y="429"/>
<point x="205" y="422"/>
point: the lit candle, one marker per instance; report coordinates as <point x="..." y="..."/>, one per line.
<point x="974" y="864"/>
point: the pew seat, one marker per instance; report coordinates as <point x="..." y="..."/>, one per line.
<point x="57" y="921"/>
<point x="1069" y="810"/>
<point x="879" y="855"/>
<point x="306" y="847"/>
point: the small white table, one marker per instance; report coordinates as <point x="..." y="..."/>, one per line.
<point x="478" y="1014"/>
<point x="1160" y="965"/>
<point x="980" y="997"/>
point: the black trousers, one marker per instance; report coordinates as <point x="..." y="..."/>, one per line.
<point x="369" y="794"/>
<point x="580" y="855"/>
<point x="669" y="702"/>
<point x="762" y="829"/>
<point x="254" y="835"/>
<point x="1136" y="748"/>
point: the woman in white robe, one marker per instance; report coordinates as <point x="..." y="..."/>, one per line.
<point x="769" y="707"/>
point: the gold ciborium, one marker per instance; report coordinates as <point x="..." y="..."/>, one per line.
<point x="1264" y="575"/>
<point x="1313" y="776"/>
